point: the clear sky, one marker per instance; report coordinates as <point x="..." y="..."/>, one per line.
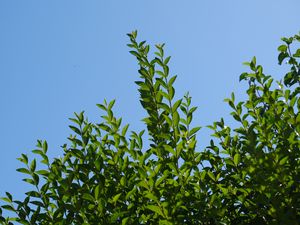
<point x="63" y="56"/>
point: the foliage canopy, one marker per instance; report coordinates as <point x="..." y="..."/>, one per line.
<point x="246" y="175"/>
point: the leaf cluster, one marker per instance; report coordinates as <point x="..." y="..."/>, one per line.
<point x="107" y="175"/>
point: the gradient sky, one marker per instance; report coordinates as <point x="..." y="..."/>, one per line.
<point x="63" y="56"/>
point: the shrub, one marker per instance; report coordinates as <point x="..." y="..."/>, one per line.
<point x="246" y="175"/>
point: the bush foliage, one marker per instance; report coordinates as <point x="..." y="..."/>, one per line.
<point x="249" y="174"/>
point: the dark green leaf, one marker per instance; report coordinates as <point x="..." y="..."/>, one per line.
<point x="33" y="165"/>
<point x="193" y="131"/>
<point x="23" y="170"/>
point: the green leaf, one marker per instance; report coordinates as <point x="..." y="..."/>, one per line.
<point x="167" y="60"/>
<point x="166" y="70"/>
<point x="80" y="117"/>
<point x="37" y="203"/>
<point x="281" y="57"/>
<point x="116" y="197"/>
<point x="76" y="130"/>
<point x="243" y="76"/>
<point x="74" y="120"/>
<point x="33" y="165"/>
<point x="193" y="131"/>
<point x="136" y="54"/>
<point x="39" y="152"/>
<point x="297" y="54"/>
<point x="283" y="160"/>
<point x="23" y="158"/>
<point x="282" y="48"/>
<point x="151" y="196"/>
<point x="168" y="119"/>
<point x="124" y="130"/>
<point x="33" y="194"/>
<point x="45" y="147"/>
<point x="176" y="118"/>
<point x="8" y="207"/>
<point x="88" y="197"/>
<point x="232" y="96"/>
<point x="253" y="64"/>
<point x="192" y="110"/>
<point x="101" y="106"/>
<point x="155" y="209"/>
<point x="6" y="199"/>
<point x="160" y="73"/>
<point x="43" y="172"/>
<point x="176" y="105"/>
<point x="9" y="196"/>
<point x="236" y="159"/>
<point x="169" y="149"/>
<point x="23" y="170"/>
<point x="171" y="91"/>
<point x="30" y="181"/>
<point x="77" y="153"/>
<point x="125" y="220"/>
<point x="171" y="81"/>
<point x="45" y="160"/>
<point x="111" y="104"/>
<point x="211" y="175"/>
<point x="288" y="41"/>
<point x="36" y="178"/>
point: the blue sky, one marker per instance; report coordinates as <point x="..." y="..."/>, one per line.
<point x="63" y="56"/>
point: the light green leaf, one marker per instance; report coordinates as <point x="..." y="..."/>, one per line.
<point x="116" y="197"/>
<point x="236" y="159"/>
<point x="155" y="209"/>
